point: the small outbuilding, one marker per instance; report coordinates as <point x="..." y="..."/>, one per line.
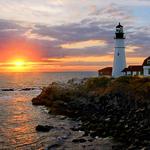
<point x="105" y="71"/>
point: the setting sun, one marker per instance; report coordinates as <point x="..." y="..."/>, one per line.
<point x="19" y="63"/>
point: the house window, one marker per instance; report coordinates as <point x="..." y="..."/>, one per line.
<point x="149" y="71"/>
<point x="148" y="61"/>
<point x="141" y="73"/>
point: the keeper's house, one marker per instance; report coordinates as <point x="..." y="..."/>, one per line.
<point x="133" y="71"/>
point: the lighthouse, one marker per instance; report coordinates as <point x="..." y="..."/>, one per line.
<point x="119" y="54"/>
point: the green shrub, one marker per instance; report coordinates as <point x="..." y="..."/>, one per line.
<point x="126" y="79"/>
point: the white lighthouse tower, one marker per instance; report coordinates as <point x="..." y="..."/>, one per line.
<point x="119" y="54"/>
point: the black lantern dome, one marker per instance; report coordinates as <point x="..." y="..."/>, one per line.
<point x="119" y="32"/>
<point x="119" y="26"/>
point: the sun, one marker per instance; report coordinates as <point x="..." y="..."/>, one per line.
<point x="19" y="63"/>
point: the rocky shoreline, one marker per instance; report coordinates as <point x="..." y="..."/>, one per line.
<point x="63" y="137"/>
<point x="114" y="108"/>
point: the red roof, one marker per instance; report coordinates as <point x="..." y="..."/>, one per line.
<point x="133" y="68"/>
<point x="105" y="71"/>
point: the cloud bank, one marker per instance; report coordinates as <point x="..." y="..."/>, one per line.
<point x="67" y="34"/>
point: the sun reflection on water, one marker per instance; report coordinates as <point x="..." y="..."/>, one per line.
<point x="19" y="125"/>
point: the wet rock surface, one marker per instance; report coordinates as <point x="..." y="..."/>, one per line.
<point x="62" y="137"/>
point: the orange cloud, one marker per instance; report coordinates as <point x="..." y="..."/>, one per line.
<point x="135" y="60"/>
<point x="90" y="63"/>
<point x="104" y="58"/>
<point x="84" y="44"/>
<point x="131" y="48"/>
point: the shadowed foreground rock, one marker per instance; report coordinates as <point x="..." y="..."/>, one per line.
<point x="78" y="140"/>
<point x="42" y="128"/>
<point x="118" y="108"/>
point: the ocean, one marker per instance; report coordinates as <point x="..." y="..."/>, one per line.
<point x="18" y="117"/>
<point x="26" y="80"/>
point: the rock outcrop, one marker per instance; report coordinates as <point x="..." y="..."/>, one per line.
<point x="118" y="108"/>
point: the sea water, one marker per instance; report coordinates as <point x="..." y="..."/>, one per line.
<point x="18" y="118"/>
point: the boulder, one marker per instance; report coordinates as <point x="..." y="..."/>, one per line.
<point x="7" y="90"/>
<point x="27" y="89"/>
<point x="45" y="128"/>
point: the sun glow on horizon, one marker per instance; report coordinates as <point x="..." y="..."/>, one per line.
<point x="18" y="65"/>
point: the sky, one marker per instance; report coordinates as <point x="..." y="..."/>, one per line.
<point x="70" y="35"/>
